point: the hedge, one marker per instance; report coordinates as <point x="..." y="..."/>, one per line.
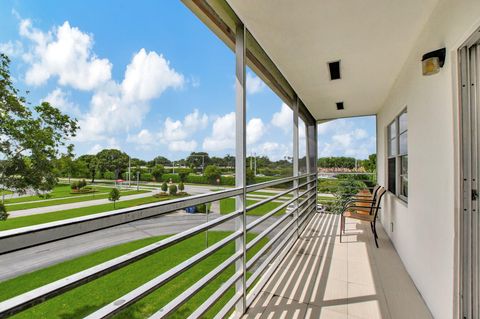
<point x="174" y="177"/>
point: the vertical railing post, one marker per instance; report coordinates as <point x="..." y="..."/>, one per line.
<point x="312" y="157"/>
<point x="295" y="159"/>
<point x="240" y="158"/>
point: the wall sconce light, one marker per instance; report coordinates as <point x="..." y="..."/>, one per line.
<point x="433" y="61"/>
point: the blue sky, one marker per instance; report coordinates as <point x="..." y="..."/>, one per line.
<point x="150" y="79"/>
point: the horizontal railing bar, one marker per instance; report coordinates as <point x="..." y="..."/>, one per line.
<point x="269" y="244"/>
<point x="254" y="187"/>
<point x="267" y="231"/>
<point x="281" y="250"/>
<point x="275" y="224"/>
<point x="20" y="238"/>
<point x="267" y="200"/>
<point x="41" y="294"/>
<point x="200" y="311"/>
<point x="190" y="292"/>
<point x="260" y="220"/>
<point x="267" y="261"/>
<point x="145" y="289"/>
<point x="222" y="314"/>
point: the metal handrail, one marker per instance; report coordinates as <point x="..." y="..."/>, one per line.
<point x="41" y="294"/>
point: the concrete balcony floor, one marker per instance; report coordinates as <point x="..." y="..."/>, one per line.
<point x="323" y="278"/>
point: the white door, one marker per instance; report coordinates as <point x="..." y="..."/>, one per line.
<point x="470" y="75"/>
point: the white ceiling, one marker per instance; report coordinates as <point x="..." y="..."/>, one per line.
<point x="372" y="38"/>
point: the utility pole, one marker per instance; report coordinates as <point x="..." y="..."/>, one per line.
<point x="129" y="170"/>
<point x="255" y="164"/>
<point x="138" y="180"/>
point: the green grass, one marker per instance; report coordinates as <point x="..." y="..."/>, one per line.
<point x="85" y="299"/>
<point x="101" y="194"/>
<point x="24" y="221"/>
<point x="61" y="190"/>
<point x="227" y="206"/>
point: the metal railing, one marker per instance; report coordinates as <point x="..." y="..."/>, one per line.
<point x="273" y="251"/>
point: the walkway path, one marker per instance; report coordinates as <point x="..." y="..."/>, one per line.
<point x="55" y="208"/>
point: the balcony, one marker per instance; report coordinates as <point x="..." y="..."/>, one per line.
<point x="323" y="278"/>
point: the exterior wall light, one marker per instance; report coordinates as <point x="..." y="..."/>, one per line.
<point x="433" y="61"/>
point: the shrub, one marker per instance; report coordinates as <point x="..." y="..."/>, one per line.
<point x="181" y="187"/>
<point x="74" y="186"/>
<point x="164" y="187"/>
<point x="147" y="177"/>
<point x="82" y="183"/>
<point x="196" y="179"/>
<point x="250" y="177"/>
<point x="212" y="173"/>
<point x="202" y="208"/>
<point x="183" y="173"/>
<point x="3" y="212"/>
<point x="172" y="189"/>
<point x="175" y="178"/>
<point x="227" y="180"/>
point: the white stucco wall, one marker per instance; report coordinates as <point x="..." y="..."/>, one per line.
<point x="424" y="229"/>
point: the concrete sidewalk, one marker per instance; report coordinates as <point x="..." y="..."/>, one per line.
<point x="56" y="208"/>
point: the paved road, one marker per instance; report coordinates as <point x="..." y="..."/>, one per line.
<point x="31" y="259"/>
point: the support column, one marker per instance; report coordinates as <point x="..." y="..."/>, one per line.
<point x="295" y="159"/>
<point x="240" y="161"/>
<point x="312" y="157"/>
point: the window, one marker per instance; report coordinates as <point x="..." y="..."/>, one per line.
<point x="397" y="161"/>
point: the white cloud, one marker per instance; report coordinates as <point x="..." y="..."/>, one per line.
<point x="275" y="151"/>
<point x="223" y="134"/>
<point x="95" y="149"/>
<point x="116" y="108"/>
<point x="11" y="49"/>
<point x="254" y="84"/>
<point x="144" y="137"/>
<point x="65" y="52"/>
<point x="175" y="134"/>
<point x="283" y="119"/>
<point x="182" y="146"/>
<point x="60" y="99"/>
<point x="148" y="76"/>
<point x="360" y="133"/>
<point x="255" y="130"/>
<point x="343" y="139"/>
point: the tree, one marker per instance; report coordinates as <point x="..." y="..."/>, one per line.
<point x="198" y="159"/>
<point x="164" y="187"/>
<point x="30" y="138"/>
<point x="157" y="172"/>
<point x="112" y="160"/>
<point x="212" y="173"/>
<point x="370" y="164"/>
<point x="114" y="195"/>
<point x="91" y="163"/>
<point x="160" y="160"/>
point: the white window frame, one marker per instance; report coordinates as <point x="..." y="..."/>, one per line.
<point x="397" y="156"/>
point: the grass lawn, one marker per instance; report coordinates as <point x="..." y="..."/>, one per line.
<point x="227" y="206"/>
<point x="269" y="194"/>
<point x="100" y="194"/>
<point x="61" y="190"/>
<point x="24" y="221"/>
<point x="83" y="300"/>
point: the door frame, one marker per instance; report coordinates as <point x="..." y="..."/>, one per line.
<point x="465" y="127"/>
